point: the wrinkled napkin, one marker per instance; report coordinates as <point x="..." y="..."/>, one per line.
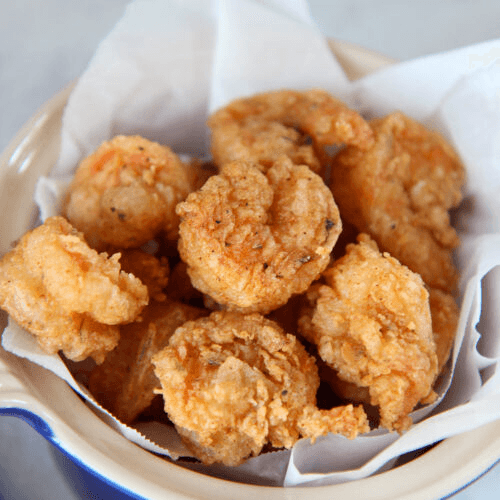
<point x="167" y="64"/>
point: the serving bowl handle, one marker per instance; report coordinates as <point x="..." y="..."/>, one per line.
<point x="16" y="398"/>
<point x="16" y="401"/>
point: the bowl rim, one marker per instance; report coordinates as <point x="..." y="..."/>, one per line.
<point x="22" y="386"/>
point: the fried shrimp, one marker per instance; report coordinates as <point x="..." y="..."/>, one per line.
<point x="299" y="124"/>
<point x="124" y="384"/>
<point x="66" y="294"/>
<point x="125" y="193"/>
<point x="232" y="383"/>
<point x="252" y="239"/>
<point x="400" y="192"/>
<point x="262" y="142"/>
<point x="371" y="323"/>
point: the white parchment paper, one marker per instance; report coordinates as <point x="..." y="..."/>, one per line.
<point x="167" y="64"/>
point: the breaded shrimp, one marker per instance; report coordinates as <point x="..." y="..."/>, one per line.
<point x="66" y="294"/>
<point x="261" y="142"/>
<point x="252" y="239"/>
<point x="125" y="193"/>
<point x="400" y="191"/>
<point x="232" y="383"/>
<point x="444" y="315"/>
<point x="262" y="127"/>
<point x="371" y="323"/>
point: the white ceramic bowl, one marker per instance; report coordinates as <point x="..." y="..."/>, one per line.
<point x="53" y="409"/>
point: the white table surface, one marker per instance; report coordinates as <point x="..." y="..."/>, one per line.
<point x="45" y="45"/>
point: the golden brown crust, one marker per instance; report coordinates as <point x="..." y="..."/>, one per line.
<point x="265" y="126"/>
<point x="261" y="142"/>
<point x="371" y="322"/>
<point x="69" y="296"/>
<point x="348" y="421"/>
<point x="400" y="191"/>
<point x="252" y="240"/>
<point x="232" y="382"/>
<point x="125" y="193"/>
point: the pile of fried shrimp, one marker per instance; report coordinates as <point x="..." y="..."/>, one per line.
<point x="299" y="282"/>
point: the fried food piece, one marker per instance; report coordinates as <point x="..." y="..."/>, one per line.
<point x="348" y="420"/>
<point x="66" y="294"/>
<point x="124" y="384"/>
<point x="371" y="322"/>
<point x="252" y="240"/>
<point x="125" y="193"/>
<point x="233" y="383"/>
<point x="152" y="271"/>
<point x="261" y="142"/>
<point x="445" y="313"/>
<point x="265" y="126"/>
<point x="400" y="191"/>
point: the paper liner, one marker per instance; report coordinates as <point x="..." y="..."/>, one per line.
<point x="167" y="64"/>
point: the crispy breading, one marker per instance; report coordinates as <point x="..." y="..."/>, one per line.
<point x="66" y="294"/>
<point x="233" y="382"/>
<point x="261" y="142"/>
<point x="252" y="239"/>
<point x="400" y="192"/>
<point x="262" y="127"/>
<point x="348" y="420"/>
<point x="371" y="322"/>
<point x="125" y="193"/>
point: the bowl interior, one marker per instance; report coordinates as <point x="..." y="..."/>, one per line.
<point x="94" y="445"/>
